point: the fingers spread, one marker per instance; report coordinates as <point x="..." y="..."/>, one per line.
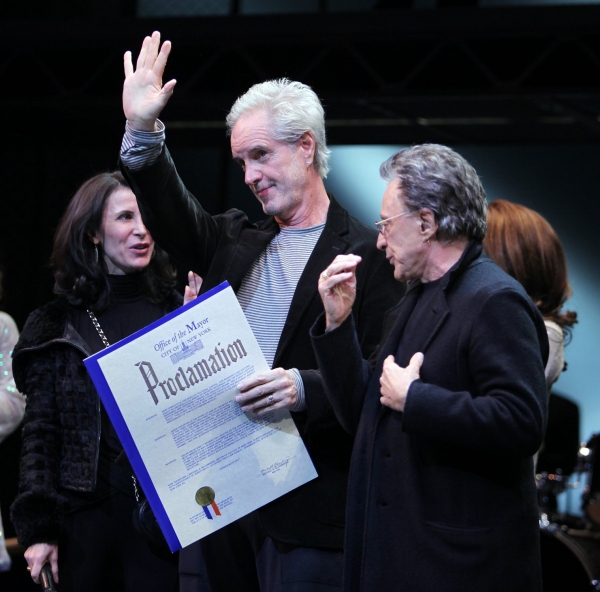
<point x="141" y="61"/>
<point x="152" y="50"/>
<point x="127" y="64"/>
<point x="168" y="88"/>
<point x="161" y="60"/>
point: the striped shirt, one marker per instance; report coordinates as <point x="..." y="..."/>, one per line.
<point x="142" y="149"/>
<point x="267" y="290"/>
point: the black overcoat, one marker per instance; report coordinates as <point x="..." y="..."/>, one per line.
<point x="223" y="247"/>
<point x="442" y="496"/>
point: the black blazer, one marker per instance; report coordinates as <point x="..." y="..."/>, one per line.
<point x="446" y="488"/>
<point x="224" y="247"/>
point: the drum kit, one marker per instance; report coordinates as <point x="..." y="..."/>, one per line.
<point x="570" y="545"/>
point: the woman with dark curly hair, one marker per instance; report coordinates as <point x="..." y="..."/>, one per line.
<point x="76" y="496"/>
<point x="523" y="244"/>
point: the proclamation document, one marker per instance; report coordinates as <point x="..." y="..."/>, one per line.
<point x="170" y="390"/>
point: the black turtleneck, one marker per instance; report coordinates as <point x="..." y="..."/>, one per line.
<point x="429" y="291"/>
<point x="129" y="310"/>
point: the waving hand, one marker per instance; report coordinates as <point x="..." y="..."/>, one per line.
<point x="144" y="95"/>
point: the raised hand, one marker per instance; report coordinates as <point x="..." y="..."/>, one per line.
<point x="193" y="287"/>
<point x="144" y="95"/>
<point x="337" y="286"/>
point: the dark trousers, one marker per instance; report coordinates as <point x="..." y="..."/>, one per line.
<point x="243" y="558"/>
<point x="103" y="552"/>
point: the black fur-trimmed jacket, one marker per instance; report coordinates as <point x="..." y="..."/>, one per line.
<point x="61" y="429"/>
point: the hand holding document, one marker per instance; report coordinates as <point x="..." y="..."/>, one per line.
<point x="170" y="391"/>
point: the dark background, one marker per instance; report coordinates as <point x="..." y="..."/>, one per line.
<point x="457" y="73"/>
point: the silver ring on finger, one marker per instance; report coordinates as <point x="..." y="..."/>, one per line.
<point x="271" y="399"/>
<point x="325" y="275"/>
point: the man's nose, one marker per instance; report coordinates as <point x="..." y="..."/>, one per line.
<point x="252" y="175"/>
<point x="381" y="242"/>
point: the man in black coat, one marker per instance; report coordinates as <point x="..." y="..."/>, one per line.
<point x="449" y="415"/>
<point x="278" y="138"/>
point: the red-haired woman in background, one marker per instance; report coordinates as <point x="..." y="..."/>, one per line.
<point x="524" y="245"/>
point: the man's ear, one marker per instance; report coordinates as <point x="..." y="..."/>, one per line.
<point x="429" y="226"/>
<point x="308" y="145"/>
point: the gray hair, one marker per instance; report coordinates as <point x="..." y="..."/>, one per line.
<point x="437" y="178"/>
<point x="294" y="109"/>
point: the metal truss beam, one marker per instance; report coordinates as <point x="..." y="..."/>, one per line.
<point x="461" y="75"/>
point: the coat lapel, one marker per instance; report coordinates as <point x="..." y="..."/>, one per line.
<point x="253" y="241"/>
<point x="438" y="309"/>
<point x="433" y="320"/>
<point x="394" y="323"/>
<point x="329" y="245"/>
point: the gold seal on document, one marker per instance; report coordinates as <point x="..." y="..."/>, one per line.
<point x="205" y="496"/>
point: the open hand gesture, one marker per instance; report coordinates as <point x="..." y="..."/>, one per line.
<point x="144" y="95"/>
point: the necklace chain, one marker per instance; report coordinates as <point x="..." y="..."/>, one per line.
<point x="98" y="328"/>
<point x="107" y="344"/>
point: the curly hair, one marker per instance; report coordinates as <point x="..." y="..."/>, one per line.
<point x="80" y="273"/>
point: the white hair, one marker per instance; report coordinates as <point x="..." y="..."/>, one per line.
<point x="293" y="108"/>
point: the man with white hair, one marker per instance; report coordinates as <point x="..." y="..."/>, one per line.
<point x="277" y="134"/>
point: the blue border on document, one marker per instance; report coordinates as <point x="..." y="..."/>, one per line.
<point x="120" y="425"/>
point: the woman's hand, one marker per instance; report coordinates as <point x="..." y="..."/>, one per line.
<point x="37" y="555"/>
<point x="337" y="286"/>
<point x="193" y="287"/>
